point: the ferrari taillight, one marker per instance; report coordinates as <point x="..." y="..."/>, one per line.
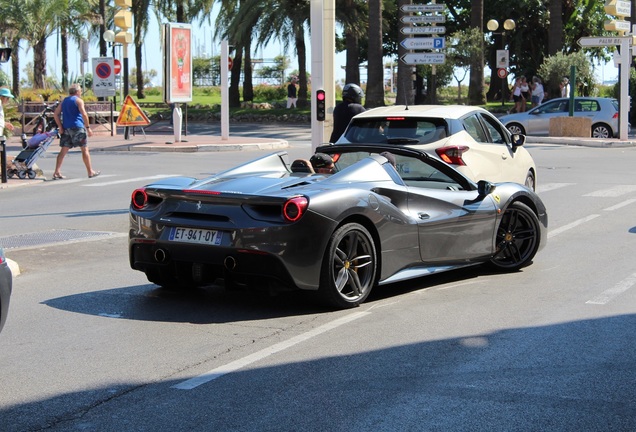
<point x="139" y="199"/>
<point x="452" y="155"/>
<point x="295" y="208"/>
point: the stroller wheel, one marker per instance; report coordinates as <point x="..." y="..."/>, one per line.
<point x="31" y="174"/>
<point x="11" y="173"/>
<point x="22" y="174"/>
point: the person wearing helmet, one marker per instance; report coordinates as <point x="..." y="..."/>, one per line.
<point x="5" y="95"/>
<point x="343" y="113"/>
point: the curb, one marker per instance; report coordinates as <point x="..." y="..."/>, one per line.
<point x="586" y="142"/>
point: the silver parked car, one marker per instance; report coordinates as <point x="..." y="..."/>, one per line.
<point x="602" y="111"/>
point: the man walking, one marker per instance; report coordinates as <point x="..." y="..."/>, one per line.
<point x="292" y="95"/>
<point x="73" y="127"/>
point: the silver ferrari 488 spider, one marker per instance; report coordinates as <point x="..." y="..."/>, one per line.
<point x="381" y="214"/>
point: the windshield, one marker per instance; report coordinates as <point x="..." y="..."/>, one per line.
<point x="396" y="130"/>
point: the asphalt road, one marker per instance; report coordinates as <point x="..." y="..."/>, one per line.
<point x="91" y="345"/>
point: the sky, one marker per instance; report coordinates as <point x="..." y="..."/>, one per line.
<point x="203" y="44"/>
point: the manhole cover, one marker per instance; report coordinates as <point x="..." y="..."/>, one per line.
<point x="51" y="237"/>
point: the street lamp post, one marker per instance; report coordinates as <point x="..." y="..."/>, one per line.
<point x="508" y="25"/>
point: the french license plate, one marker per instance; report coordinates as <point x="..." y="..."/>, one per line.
<point x="194" y="235"/>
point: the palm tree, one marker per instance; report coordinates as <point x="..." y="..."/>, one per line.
<point x="284" y="20"/>
<point x="140" y="10"/>
<point x="10" y="31"/>
<point x="74" y="19"/>
<point x="555" y="30"/>
<point x="353" y="16"/>
<point x="375" y="81"/>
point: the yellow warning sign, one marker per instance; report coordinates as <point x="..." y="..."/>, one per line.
<point x="131" y="114"/>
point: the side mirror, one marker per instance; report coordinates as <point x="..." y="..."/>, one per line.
<point x="484" y="187"/>
<point x="517" y="141"/>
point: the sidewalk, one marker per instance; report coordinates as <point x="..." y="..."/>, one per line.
<point x="161" y="139"/>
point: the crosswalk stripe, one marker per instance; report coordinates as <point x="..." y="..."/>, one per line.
<point x="551" y="186"/>
<point x="612" y="192"/>
<point x="131" y="180"/>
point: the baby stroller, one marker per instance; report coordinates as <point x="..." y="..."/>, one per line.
<point x="36" y="147"/>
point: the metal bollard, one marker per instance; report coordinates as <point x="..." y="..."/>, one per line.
<point x="3" y="159"/>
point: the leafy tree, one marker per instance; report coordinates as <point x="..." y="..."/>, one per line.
<point x="555" y="67"/>
<point x="465" y="48"/>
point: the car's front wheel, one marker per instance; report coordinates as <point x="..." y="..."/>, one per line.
<point x="601" y="130"/>
<point x="349" y="267"/>
<point x="518" y="237"/>
<point x="530" y="181"/>
<point x="516" y="129"/>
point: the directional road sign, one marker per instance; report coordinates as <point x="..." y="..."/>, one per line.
<point x="617" y="25"/>
<point x="427" y="19"/>
<point x="423" y="30"/>
<point x="423" y="8"/>
<point x="423" y="58"/>
<point x="601" y="41"/>
<point x="424" y="43"/>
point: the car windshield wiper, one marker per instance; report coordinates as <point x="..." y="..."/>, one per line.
<point x="402" y="140"/>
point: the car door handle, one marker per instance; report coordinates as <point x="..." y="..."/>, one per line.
<point x="424" y="216"/>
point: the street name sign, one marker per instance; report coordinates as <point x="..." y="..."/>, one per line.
<point x="424" y="43"/>
<point x="423" y="8"/>
<point x="423" y="30"/>
<point x="618" y="8"/>
<point x="418" y="19"/>
<point x="617" y="25"/>
<point x="601" y="41"/>
<point x="423" y="58"/>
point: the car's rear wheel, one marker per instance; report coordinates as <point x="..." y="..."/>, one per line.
<point x="530" y="181"/>
<point x="518" y="237"/>
<point x="516" y="129"/>
<point x="349" y="267"/>
<point x="601" y="130"/>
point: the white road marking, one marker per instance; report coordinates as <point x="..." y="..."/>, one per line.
<point x="620" y="205"/>
<point x="259" y="355"/>
<point x="613" y="192"/>
<point x="131" y="180"/>
<point x="551" y="186"/>
<point x="618" y="289"/>
<point x="569" y="226"/>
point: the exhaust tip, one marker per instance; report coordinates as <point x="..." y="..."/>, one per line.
<point x="229" y="263"/>
<point x="160" y="255"/>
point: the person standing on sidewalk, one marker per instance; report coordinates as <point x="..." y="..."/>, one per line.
<point x="73" y="126"/>
<point x="5" y="95"/>
<point x="292" y="95"/>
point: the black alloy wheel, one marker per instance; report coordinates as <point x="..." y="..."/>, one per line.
<point x="349" y="267"/>
<point x="518" y="237"/>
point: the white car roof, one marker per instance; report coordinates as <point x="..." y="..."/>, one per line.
<point x="440" y="111"/>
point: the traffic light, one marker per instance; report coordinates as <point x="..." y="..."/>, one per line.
<point x="123" y="20"/>
<point x="320" y="105"/>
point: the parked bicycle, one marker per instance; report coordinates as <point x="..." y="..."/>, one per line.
<point x="44" y="122"/>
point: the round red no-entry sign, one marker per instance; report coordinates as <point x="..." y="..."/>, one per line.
<point x="502" y="73"/>
<point x="230" y="63"/>
<point x="117" y="66"/>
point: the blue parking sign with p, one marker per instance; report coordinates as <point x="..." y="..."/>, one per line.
<point x="438" y="43"/>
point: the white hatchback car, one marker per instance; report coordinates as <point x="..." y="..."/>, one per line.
<point x="468" y="138"/>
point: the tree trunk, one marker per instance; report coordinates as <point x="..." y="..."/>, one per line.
<point x="234" y="94"/>
<point x="375" y="74"/>
<point x="15" y="68"/>
<point x="301" y="51"/>
<point x="39" y="64"/>
<point x="555" y="31"/>
<point x="139" y="72"/>
<point x="248" y="86"/>
<point x="352" y="67"/>
<point x="476" y="94"/>
<point x="64" y="47"/>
